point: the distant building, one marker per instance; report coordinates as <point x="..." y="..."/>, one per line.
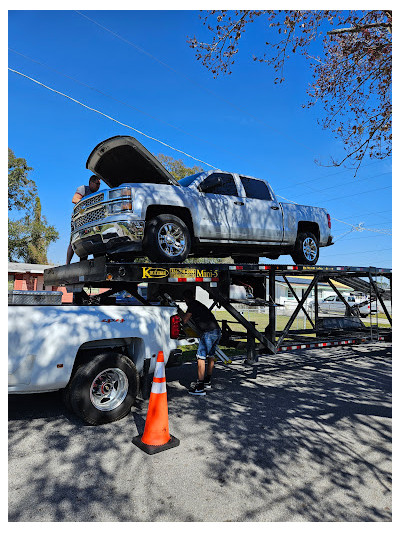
<point x="300" y="284"/>
<point x="30" y="277"/>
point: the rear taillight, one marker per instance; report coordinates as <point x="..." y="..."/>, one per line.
<point x="175" y="327"/>
<point x="329" y="221"/>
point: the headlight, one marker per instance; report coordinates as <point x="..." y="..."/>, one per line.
<point x="117" y="207"/>
<point x="119" y="193"/>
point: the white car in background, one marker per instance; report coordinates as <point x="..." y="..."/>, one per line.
<point x="333" y="304"/>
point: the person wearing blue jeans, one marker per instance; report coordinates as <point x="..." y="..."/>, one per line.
<point x="205" y="322"/>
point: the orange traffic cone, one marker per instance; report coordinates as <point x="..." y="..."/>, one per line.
<point x="156" y="437"/>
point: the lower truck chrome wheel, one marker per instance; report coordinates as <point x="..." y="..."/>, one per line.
<point x="104" y="389"/>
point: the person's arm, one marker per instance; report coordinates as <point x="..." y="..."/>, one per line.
<point x="76" y="198"/>
<point x="186" y="317"/>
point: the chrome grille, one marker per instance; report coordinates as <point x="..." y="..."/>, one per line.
<point x="83" y="204"/>
<point x="91" y="216"/>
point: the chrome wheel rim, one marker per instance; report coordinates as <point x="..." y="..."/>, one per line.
<point x="171" y="239"/>
<point x="310" y="249"/>
<point x="109" y="389"/>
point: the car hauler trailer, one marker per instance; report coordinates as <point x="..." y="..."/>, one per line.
<point x="167" y="282"/>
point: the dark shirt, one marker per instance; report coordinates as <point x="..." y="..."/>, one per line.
<point x="201" y="316"/>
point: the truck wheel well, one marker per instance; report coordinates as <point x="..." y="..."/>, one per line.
<point x="312" y="227"/>
<point x="86" y="353"/>
<point x="182" y="212"/>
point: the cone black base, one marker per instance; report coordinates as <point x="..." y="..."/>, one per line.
<point x="151" y="449"/>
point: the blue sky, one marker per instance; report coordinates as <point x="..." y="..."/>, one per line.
<point x="242" y="122"/>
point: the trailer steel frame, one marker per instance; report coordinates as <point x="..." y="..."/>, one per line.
<point x="216" y="279"/>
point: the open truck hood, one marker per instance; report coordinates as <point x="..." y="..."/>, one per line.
<point x="122" y="159"/>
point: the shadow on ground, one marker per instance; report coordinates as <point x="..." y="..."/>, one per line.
<point x="297" y="437"/>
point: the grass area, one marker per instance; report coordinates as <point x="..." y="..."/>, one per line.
<point x="261" y="320"/>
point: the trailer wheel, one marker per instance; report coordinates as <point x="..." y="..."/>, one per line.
<point x="167" y="239"/>
<point x="306" y="249"/>
<point x="104" y="389"/>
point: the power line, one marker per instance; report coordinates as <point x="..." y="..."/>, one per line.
<point x="367" y="214"/>
<point x="116" y="99"/>
<point x="328" y="177"/>
<point x="352" y="236"/>
<point x="359" y="193"/>
<point x="111" y="118"/>
<point x="344" y="196"/>
<point x="344" y="183"/>
<point x="358" y="227"/>
<point x="191" y="80"/>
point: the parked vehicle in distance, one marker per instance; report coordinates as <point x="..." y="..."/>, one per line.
<point x="210" y="214"/>
<point x="333" y="304"/>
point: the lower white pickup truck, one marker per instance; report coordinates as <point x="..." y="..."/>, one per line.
<point x="96" y="355"/>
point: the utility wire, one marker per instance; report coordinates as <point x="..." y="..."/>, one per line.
<point x="343" y="183"/>
<point x="367" y="214"/>
<point x="117" y="100"/>
<point x="191" y="80"/>
<point x="324" y="177"/>
<point x="344" y="196"/>
<point x="356" y="227"/>
<point x="111" y="118"/>
<point x="169" y="146"/>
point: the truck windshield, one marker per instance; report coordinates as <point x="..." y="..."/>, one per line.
<point x="185" y="182"/>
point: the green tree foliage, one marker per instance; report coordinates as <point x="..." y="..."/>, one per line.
<point x="29" y="236"/>
<point x="352" y="80"/>
<point x="21" y="189"/>
<point x="176" y="167"/>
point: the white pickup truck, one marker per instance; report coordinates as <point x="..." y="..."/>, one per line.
<point x="147" y="212"/>
<point x="95" y="354"/>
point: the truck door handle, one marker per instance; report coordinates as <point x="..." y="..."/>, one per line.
<point x="275" y="207"/>
<point x="239" y="203"/>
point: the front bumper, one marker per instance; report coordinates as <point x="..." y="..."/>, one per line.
<point x="112" y="237"/>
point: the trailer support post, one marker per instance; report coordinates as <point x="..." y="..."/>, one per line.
<point x="297" y="299"/>
<point x="296" y="311"/>
<point x="271" y="330"/>
<point x="377" y="293"/>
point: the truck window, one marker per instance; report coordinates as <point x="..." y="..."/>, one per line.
<point x="255" y="188"/>
<point x="218" y="183"/>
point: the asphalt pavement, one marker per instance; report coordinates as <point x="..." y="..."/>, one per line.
<point x="298" y="437"/>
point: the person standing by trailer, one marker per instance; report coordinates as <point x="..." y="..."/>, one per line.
<point x="83" y="190"/>
<point x="205" y="322"/>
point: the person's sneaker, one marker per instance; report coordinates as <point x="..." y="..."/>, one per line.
<point x="207" y="383"/>
<point x="197" y="389"/>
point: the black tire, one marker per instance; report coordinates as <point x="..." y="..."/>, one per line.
<point x="306" y="249"/>
<point x="111" y="396"/>
<point x="66" y="398"/>
<point x="157" y="230"/>
<point x="246" y="259"/>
